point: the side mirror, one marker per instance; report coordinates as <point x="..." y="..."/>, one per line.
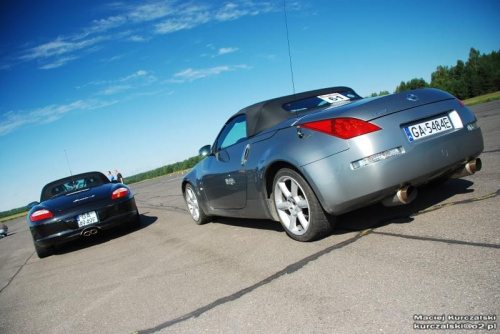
<point x="205" y="150"/>
<point x="32" y="204"/>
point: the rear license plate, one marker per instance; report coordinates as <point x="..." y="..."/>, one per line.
<point x="429" y="128"/>
<point x="87" y="218"/>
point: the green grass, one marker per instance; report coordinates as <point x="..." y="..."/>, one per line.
<point x="482" y="99"/>
<point x="22" y="214"/>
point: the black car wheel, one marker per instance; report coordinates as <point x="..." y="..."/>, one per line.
<point x="194" y="206"/>
<point x="298" y="208"/>
<point x="43" y="251"/>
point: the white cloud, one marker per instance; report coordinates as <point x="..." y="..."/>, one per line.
<point x="59" y="47"/>
<point x="138" y="23"/>
<point x="138" y="74"/>
<point x="102" y="25"/>
<point x="137" y="38"/>
<point x="141" y="78"/>
<point x="182" y="23"/>
<point x="223" y="51"/>
<point x="115" y="89"/>
<point x="58" y="63"/>
<point x="191" y="74"/>
<point x="233" y="11"/>
<point x="14" y="120"/>
<point x="150" y="11"/>
<point x="229" y="12"/>
<point x="112" y="59"/>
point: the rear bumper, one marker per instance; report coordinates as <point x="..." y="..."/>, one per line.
<point x="65" y="228"/>
<point x="341" y="188"/>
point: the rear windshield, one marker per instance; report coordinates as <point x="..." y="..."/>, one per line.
<point x="71" y="185"/>
<point x="329" y="100"/>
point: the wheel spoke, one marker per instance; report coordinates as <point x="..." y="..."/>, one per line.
<point x="292" y="225"/>
<point x="284" y="190"/>
<point x="302" y="203"/>
<point x="294" y="189"/>
<point x="303" y="220"/>
<point x="282" y="206"/>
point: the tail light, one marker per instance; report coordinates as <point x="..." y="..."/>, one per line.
<point x="460" y="102"/>
<point x="40" y="215"/>
<point x="119" y="193"/>
<point x="344" y="128"/>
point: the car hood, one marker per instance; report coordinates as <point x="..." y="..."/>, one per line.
<point x="81" y="197"/>
<point x="371" y="108"/>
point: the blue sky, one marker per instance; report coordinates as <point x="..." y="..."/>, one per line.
<point x="136" y="85"/>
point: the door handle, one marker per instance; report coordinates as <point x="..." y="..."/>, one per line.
<point x="244" y="157"/>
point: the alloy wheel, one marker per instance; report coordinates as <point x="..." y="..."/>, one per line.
<point x="192" y="203"/>
<point x="292" y="205"/>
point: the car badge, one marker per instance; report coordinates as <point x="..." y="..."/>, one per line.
<point x="412" y="97"/>
<point x="83" y="199"/>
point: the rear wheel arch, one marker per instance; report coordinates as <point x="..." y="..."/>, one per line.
<point x="297" y="206"/>
<point x="183" y="186"/>
<point x="274" y="168"/>
<point x="271" y="172"/>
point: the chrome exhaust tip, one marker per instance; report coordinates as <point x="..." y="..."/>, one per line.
<point x="403" y="196"/>
<point x="90" y="231"/>
<point x="470" y="168"/>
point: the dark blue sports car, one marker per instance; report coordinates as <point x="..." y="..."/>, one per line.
<point x="79" y="205"/>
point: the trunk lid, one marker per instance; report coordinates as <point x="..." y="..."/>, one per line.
<point x="78" y="198"/>
<point x="372" y="108"/>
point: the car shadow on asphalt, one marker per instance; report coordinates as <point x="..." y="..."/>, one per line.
<point x="375" y="215"/>
<point x="261" y="224"/>
<point x="104" y="236"/>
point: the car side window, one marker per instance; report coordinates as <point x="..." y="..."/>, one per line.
<point x="234" y="132"/>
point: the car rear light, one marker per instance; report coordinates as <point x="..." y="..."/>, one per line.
<point x="119" y="193"/>
<point x="344" y="128"/>
<point x="40" y="215"/>
<point x="461" y="103"/>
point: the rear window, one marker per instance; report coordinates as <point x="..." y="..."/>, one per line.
<point x="327" y="100"/>
<point x="68" y="186"/>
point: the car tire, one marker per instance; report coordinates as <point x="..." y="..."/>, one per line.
<point x="300" y="212"/>
<point x="193" y="205"/>
<point x="43" y="251"/>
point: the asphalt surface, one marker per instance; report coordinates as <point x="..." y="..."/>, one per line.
<point x="383" y="270"/>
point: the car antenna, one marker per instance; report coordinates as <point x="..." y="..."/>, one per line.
<point x="288" y="40"/>
<point x="69" y="167"/>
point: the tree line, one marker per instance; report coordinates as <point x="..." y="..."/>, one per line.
<point x="479" y="75"/>
<point x="165" y="170"/>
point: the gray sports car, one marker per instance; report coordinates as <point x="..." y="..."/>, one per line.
<point x="305" y="158"/>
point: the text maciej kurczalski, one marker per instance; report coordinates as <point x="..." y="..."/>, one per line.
<point x="455" y="322"/>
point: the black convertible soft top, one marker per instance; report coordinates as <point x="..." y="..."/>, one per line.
<point x="58" y="187"/>
<point x="263" y="115"/>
